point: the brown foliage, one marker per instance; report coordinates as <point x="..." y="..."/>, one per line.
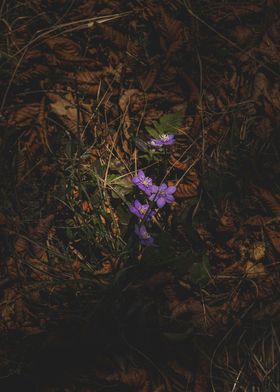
<point x="86" y="76"/>
<point x="269" y="200"/>
<point x="119" y="39"/>
<point x="39" y="235"/>
<point x="188" y="189"/>
<point x="25" y="115"/>
<point x="274" y="238"/>
<point x="66" y="110"/>
<point x="64" y="48"/>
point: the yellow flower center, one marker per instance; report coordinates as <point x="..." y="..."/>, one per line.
<point x="142" y="210"/>
<point x="164" y="137"/>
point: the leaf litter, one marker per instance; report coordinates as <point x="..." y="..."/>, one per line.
<point x="81" y="97"/>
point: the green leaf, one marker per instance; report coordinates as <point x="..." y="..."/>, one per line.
<point x="68" y="149"/>
<point x="164" y="241"/>
<point x="99" y="168"/>
<point x="162" y="253"/>
<point x="169" y="123"/>
<point x="200" y="271"/>
<point x="112" y="176"/>
<point x="117" y="165"/>
<point x="121" y="276"/>
<point x="152" y="132"/>
<point x="61" y="192"/>
<point x="152" y="257"/>
<point x="183" y="262"/>
<point x="124" y="217"/>
<point x="119" y="193"/>
<point x="121" y="187"/>
<point x="142" y="145"/>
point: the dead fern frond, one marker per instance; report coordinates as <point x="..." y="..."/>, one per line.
<point x="119" y="39"/>
<point x="36" y="71"/>
<point x="25" y="115"/>
<point x="269" y="200"/>
<point x="39" y="235"/>
<point x="64" y="48"/>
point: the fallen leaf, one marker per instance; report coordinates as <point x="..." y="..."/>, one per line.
<point x="66" y="110"/>
<point x="274" y="238"/>
<point x="257" y="251"/>
<point x="254" y="270"/>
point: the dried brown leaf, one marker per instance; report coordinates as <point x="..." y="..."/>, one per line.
<point x="188" y="190"/>
<point x="105" y="268"/>
<point x="261" y="86"/>
<point x="87" y="81"/>
<point x="39" y="236"/>
<point x="202" y="378"/>
<point x="21" y="245"/>
<point x="253" y="270"/>
<point x="269" y="49"/>
<point x="64" y="48"/>
<point x="179" y="164"/>
<point x="25" y="115"/>
<point x="65" y="109"/>
<point x="36" y="71"/>
<point x="269" y="200"/>
<point x="125" y="98"/>
<point x="160" y="278"/>
<point x="122" y="41"/>
<point x="274" y="238"/>
<point x="242" y="34"/>
<point x="257" y="251"/>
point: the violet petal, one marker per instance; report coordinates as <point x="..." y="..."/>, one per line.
<point x="161" y="202"/>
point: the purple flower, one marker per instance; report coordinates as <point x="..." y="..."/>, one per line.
<point x="144" y="183"/>
<point x="141" y="210"/>
<point x="163" y="140"/>
<point x="162" y="194"/>
<point x="145" y="238"/>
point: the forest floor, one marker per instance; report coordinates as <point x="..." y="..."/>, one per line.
<point x="85" y="305"/>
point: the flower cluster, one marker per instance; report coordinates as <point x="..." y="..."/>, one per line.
<point x="160" y="195"/>
<point x="157" y="195"/>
